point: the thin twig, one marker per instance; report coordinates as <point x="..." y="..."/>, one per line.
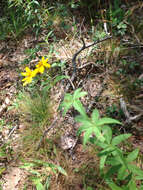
<point x="9" y="135"/>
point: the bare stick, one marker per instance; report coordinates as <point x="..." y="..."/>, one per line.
<point x="78" y="52"/>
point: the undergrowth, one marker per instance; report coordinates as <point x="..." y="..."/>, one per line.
<point x="106" y="160"/>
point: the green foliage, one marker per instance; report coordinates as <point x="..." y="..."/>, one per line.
<point x="117" y="16"/>
<point x="73" y="100"/>
<point x="35" y="107"/>
<point x="48" y="169"/>
<point x="21" y="15"/>
<point x="93" y="125"/>
<point x="114" y="162"/>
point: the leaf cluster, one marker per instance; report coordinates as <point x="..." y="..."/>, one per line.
<point x="115" y="164"/>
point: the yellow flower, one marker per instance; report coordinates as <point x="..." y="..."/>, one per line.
<point x="42" y="65"/>
<point x="29" y="74"/>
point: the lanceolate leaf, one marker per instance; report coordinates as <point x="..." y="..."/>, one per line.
<point x="120" y="157"/>
<point x="95" y="116"/>
<point x="112" y="161"/>
<point x="67" y="103"/>
<point x="58" y="78"/>
<point x="102" y="162"/>
<point x="61" y="170"/>
<point x="77" y="94"/>
<point x="135" y="170"/>
<point x="118" y="139"/>
<point x="100" y="144"/>
<point x="84" y="120"/>
<point x="107" y="120"/>
<point x="66" y="106"/>
<point x="79" y="107"/>
<point x="133" y="155"/>
<point x="114" y="186"/>
<point x="82" y="129"/>
<point x="87" y="135"/>
<point x="106" y="151"/>
<point x="107" y="132"/>
<point x="132" y="185"/>
<point x="122" y="173"/>
<point x="39" y="186"/>
<point x="98" y="134"/>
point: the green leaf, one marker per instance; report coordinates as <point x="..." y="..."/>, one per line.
<point x="113" y="186"/>
<point x="106" y="151"/>
<point x="132" y="156"/>
<point x="107" y="120"/>
<point x="113" y="170"/>
<point x="120" y="157"/>
<point x="2" y="170"/>
<point x="141" y="187"/>
<point x="135" y="170"/>
<point x="95" y="115"/>
<point x="132" y="185"/>
<point x="2" y="154"/>
<point x="118" y="139"/>
<point x="58" y="78"/>
<point x="87" y="135"/>
<point x="79" y="107"/>
<point x="107" y="132"/>
<point x="112" y="161"/>
<point x="67" y="103"/>
<point x="98" y="133"/>
<point x="68" y="98"/>
<point x="95" y="141"/>
<point x="27" y="165"/>
<point x="39" y="186"/>
<point x="122" y="173"/>
<point x="102" y="162"/>
<point x="139" y="177"/>
<point x="82" y="129"/>
<point x="47" y="184"/>
<point x="34" y="172"/>
<point x="84" y="120"/>
<point x="46" y="88"/>
<point x="77" y="94"/>
<point x="89" y="188"/>
<point x="61" y="170"/>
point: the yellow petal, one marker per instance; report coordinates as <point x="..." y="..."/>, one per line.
<point x="43" y="58"/>
<point x="41" y="69"/>
<point x="27" y="69"/>
<point x="39" y="64"/>
<point x="24" y="74"/>
<point x="24" y="79"/>
<point x="47" y="65"/>
<point x="34" y="72"/>
<point x="25" y="83"/>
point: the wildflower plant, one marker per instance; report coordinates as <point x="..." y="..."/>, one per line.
<point x="30" y="74"/>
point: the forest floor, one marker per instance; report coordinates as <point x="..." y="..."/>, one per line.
<point x="101" y="72"/>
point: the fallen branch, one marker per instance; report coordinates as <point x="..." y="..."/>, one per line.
<point x="126" y="113"/>
<point x="77" y="53"/>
